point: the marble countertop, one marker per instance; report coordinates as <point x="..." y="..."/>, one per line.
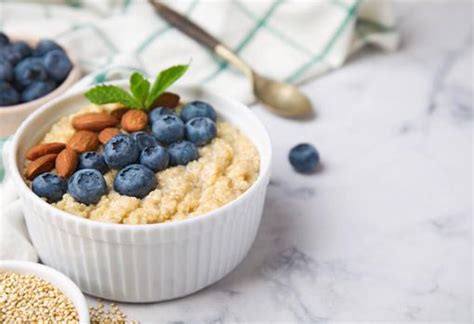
<point x="384" y="231"/>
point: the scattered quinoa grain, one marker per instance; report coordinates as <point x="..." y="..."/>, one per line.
<point x="28" y="299"/>
<point x="114" y="315"/>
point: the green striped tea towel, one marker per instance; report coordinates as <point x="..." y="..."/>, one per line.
<point x="292" y="40"/>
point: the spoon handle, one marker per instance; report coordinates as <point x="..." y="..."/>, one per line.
<point x="201" y="36"/>
<point x="185" y="25"/>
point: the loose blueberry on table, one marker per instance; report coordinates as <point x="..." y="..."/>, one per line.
<point x="27" y="74"/>
<point x="160" y="139"/>
<point x="304" y="158"/>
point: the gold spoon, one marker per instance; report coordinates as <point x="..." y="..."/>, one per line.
<point x="279" y="97"/>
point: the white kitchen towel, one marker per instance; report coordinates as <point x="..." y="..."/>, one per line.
<point x="14" y="240"/>
<point x="293" y="40"/>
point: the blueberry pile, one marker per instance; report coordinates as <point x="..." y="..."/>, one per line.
<point x="29" y="73"/>
<point x="173" y="140"/>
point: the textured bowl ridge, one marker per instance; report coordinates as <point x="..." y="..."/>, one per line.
<point x="181" y="261"/>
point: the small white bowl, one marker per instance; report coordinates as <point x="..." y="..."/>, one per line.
<point x="12" y="116"/>
<point x="143" y="263"/>
<point x="56" y="278"/>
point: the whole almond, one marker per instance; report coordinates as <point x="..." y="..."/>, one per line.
<point x="118" y="113"/>
<point x="83" y="141"/>
<point x="40" y="165"/>
<point x="94" y="122"/>
<point x="43" y="149"/>
<point x="134" y="121"/>
<point x="66" y="162"/>
<point x="167" y="100"/>
<point x="107" y="134"/>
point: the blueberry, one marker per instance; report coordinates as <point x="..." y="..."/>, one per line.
<point x="181" y="153"/>
<point x="18" y="87"/>
<point x="49" y="186"/>
<point x="4" y="40"/>
<point x="44" y="46"/>
<point x="92" y="160"/>
<point x="8" y="95"/>
<point x="87" y="186"/>
<point x="135" y="181"/>
<point x="168" y="129"/>
<point x="197" y="109"/>
<point x="158" y="112"/>
<point x="37" y="90"/>
<point x="304" y="158"/>
<point x="144" y="139"/>
<point x="120" y="151"/>
<point x="22" y="48"/>
<point x="57" y="64"/>
<point x="200" y="130"/>
<point x="30" y="70"/>
<point x="6" y="71"/>
<point x="155" y="158"/>
<point x="10" y="54"/>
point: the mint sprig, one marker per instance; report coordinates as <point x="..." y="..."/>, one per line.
<point x="104" y="94"/>
<point x="140" y="87"/>
<point x="164" y="80"/>
<point x="142" y="95"/>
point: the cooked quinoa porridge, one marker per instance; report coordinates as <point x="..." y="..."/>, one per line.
<point x="225" y="169"/>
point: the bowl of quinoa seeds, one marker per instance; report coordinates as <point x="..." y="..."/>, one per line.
<point x="26" y="298"/>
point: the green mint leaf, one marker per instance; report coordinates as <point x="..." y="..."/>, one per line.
<point x="104" y="94"/>
<point x="139" y="87"/>
<point x="141" y="97"/>
<point x="163" y="81"/>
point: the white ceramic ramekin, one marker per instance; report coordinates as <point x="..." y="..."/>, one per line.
<point x="57" y="279"/>
<point x="12" y="116"/>
<point x="144" y="263"/>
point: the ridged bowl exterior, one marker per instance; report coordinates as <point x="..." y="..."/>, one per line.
<point x="145" y="263"/>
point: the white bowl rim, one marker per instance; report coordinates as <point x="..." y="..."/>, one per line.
<point x="67" y="83"/>
<point x="44" y="272"/>
<point x="264" y="172"/>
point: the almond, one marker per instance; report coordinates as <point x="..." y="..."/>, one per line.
<point x="134" y="121"/>
<point x="107" y="134"/>
<point x="118" y="113"/>
<point x="83" y="141"/>
<point x="94" y="121"/>
<point x="40" y="165"/>
<point x="66" y="162"/>
<point x="167" y="100"/>
<point x="43" y="149"/>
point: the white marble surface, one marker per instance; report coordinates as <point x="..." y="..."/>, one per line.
<point x="384" y="231"/>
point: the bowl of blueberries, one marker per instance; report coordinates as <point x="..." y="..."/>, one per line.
<point x="32" y="72"/>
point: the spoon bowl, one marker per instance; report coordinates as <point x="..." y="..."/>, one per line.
<point x="280" y="97"/>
